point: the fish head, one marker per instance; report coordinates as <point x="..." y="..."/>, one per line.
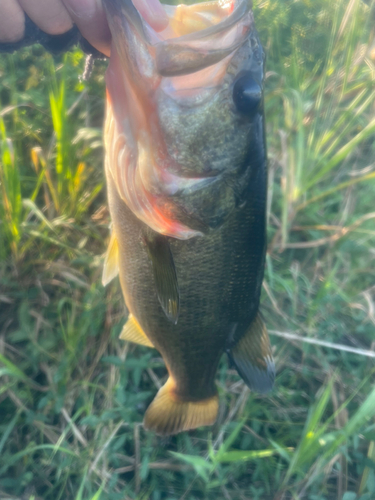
<point x="184" y="113"/>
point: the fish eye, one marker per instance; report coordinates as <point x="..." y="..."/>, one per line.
<point x="247" y="94"/>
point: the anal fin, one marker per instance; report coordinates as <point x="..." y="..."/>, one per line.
<point x="167" y="414"/>
<point x="111" y="269"/>
<point x="252" y="357"/>
<point x="133" y="332"/>
<point x="164" y="275"/>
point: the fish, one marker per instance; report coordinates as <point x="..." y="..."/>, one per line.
<point x="186" y="170"/>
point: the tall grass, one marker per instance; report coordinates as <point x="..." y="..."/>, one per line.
<point x="11" y="206"/>
<point x="53" y="168"/>
<point x="72" y="396"/>
<point x="70" y="196"/>
<point x="325" y="96"/>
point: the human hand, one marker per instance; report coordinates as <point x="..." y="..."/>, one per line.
<point x="57" y="16"/>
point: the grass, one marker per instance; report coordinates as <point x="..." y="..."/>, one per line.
<point x="72" y="396"/>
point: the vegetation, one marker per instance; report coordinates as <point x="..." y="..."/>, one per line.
<point x="72" y="395"/>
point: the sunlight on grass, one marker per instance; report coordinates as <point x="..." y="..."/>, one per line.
<point x="72" y="395"/>
<point x="324" y="106"/>
<point x="11" y="201"/>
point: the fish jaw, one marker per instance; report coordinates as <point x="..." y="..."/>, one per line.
<point x="144" y="66"/>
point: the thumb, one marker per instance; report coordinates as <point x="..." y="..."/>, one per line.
<point x="89" y="16"/>
<point x="91" y="21"/>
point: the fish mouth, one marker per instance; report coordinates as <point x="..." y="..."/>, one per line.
<point x="202" y="48"/>
<point x="197" y="36"/>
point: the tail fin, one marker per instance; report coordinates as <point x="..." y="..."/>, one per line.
<point x="252" y="356"/>
<point x="168" y="415"/>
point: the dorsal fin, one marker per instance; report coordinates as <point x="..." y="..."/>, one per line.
<point x="252" y="357"/>
<point x="133" y="332"/>
<point x="165" y="275"/>
<point x="111" y="269"/>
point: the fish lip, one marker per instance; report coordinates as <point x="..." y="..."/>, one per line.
<point x="185" y="54"/>
<point x="243" y="6"/>
<point x="189" y="53"/>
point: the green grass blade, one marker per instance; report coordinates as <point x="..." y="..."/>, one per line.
<point x="362" y="416"/>
<point x="12" y="368"/>
<point x="309" y="444"/>
<point x="343" y="153"/>
<point x="244" y="455"/>
<point x="8" y="430"/>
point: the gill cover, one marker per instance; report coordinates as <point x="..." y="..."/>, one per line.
<point x="142" y="62"/>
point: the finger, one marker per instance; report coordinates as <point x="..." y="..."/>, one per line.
<point x="153" y="13"/>
<point x="12" y="22"/>
<point x="50" y="15"/>
<point x="90" y="19"/>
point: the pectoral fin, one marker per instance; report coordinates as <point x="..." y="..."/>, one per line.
<point x="165" y="276"/>
<point x="252" y="357"/>
<point x="133" y="332"/>
<point x="110" y="269"/>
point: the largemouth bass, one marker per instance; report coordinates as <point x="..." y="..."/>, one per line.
<point x="186" y="171"/>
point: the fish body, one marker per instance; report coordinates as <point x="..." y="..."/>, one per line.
<point x="186" y="171"/>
